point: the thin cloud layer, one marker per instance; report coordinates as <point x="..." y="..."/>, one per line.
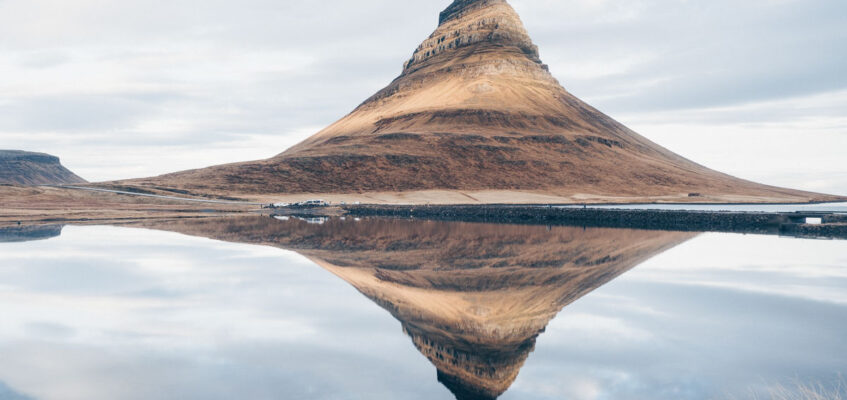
<point x="138" y="88"/>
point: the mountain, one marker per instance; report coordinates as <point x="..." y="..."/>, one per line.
<point x="476" y="110"/>
<point x="473" y="298"/>
<point x="26" y="168"/>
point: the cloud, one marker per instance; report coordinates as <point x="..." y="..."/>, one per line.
<point x="44" y="59"/>
<point x="720" y="324"/>
<point x="110" y="80"/>
<point x="6" y="393"/>
<point x="695" y="54"/>
<point x="191" y="318"/>
<point x="78" y="112"/>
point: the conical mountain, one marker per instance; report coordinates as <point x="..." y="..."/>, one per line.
<point x="476" y="110"/>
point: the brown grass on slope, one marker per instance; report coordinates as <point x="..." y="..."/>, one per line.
<point x="27" y="168"/>
<point x="476" y="110"/>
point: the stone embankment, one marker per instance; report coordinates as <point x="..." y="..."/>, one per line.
<point x="835" y="226"/>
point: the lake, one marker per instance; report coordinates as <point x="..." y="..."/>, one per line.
<point x="262" y="308"/>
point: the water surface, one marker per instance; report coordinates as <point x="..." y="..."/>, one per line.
<point x="261" y="308"/>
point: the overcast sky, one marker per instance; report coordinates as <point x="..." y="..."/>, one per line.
<point x="133" y="88"/>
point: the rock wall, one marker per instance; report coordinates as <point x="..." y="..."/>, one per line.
<point x="467" y="23"/>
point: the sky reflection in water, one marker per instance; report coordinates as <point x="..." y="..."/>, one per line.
<point x="108" y="312"/>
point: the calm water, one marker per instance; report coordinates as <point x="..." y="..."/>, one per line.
<point x="258" y="308"/>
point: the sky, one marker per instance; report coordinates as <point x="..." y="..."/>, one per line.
<point x="135" y="88"/>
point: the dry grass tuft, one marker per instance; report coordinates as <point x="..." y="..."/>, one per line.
<point x="808" y="391"/>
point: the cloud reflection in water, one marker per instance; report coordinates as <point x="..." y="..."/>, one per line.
<point x="105" y="312"/>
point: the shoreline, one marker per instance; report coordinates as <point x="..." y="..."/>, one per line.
<point x="833" y="225"/>
<point x="21" y="206"/>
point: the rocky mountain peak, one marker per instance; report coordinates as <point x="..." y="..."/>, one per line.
<point x="478" y="25"/>
<point x="461" y="7"/>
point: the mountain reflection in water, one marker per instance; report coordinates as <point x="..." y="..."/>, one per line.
<point x="472" y="297"/>
<point x="13" y="234"/>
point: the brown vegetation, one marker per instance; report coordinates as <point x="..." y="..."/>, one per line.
<point x="25" y="168"/>
<point x="50" y="204"/>
<point x="475" y="110"/>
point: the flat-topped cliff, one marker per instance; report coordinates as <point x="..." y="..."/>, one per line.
<point x="27" y="168"/>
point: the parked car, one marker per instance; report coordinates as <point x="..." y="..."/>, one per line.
<point x="312" y="203"/>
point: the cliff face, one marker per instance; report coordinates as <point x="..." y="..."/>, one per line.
<point x="25" y="168"/>
<point x="474" y="23"/>
<point x="475" y="109"/>
<point x="473" y="298"/>
<point x="460" y="7"/>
